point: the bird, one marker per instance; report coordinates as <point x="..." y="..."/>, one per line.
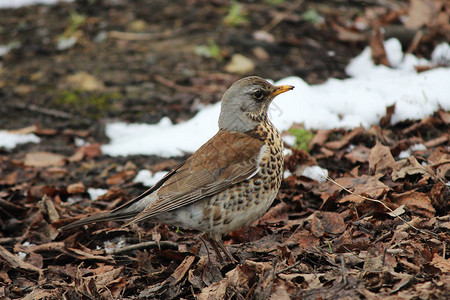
<point x="228" y="183"/>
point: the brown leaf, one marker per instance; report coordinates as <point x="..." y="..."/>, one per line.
<point x="421" y="12"/>
<point x="379" y="56"/>
<point x="415" y="201"/>
<point x="279" y="291"/>
<point x="441" y="263"/>
<point x="303" y="239"/>
<point x="358" y="154"/>
<point x="327" y="222"/>
<point x="444" y="116"/>
<point x="44" y="159"/>
<point x="15" y="262"/>
<point x="47" y="206"/>
<point x="121" y="177"/>
<point x="91" y="150"/>
<point x="380" y="159"/>
<point x="445" y="138"/>
<point x="76" y="188"/>
<point x="9" y="179"/>
<point x="346" y="140"/>
<point x="386" y="120"/>
<point x="368" y="186"/>
<point x="408" y="166"/>
<point x="347" y="35"/>
<point x="319" y="138"/>
<point x="181" y="271"/>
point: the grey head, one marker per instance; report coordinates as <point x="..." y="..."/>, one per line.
<point x="246" y="102"/>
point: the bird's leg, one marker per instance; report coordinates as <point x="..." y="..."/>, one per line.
<point x="226" y="251"/>
<point x="216" y="249"/>
<point x="206" y="246"/>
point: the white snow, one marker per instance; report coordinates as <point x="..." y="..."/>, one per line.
<point x="10" y="140"/>
<point x="148" y="178"/>
<point x="407" y="153"/>
<point x="359" y="100"/>
<point x="316" y="173"/>
<point x="95" y="193"/>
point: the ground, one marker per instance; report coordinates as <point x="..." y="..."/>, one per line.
<point x="143" y="60"/>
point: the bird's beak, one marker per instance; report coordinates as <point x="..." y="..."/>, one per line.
<point x="281" y="89"/>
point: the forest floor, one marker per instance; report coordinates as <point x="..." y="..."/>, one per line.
<point x="73" y="67"/>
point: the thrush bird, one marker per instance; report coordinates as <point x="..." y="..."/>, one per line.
<point x="229" y="182"/>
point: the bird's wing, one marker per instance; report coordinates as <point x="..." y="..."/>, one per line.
<point x="226" y="159"/>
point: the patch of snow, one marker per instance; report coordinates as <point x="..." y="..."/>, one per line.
<point x="10" y="140"/>
<point x="286" y="174"/>
<point x="21" y="255"/>
<point x="95" y="193"/>
<point x="407" y="153"/>
<point x="316" y="173"/>
<point x="289" y="139"/>
<point x="114" y="244"/>
<point x="79" y="142"/>
<point x="149" y="179"/>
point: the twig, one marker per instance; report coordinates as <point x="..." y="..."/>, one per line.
<point x="289" y="267"/>
<point x="133" y="36"/>
<point x="380" y="202"/>
<point x="42" y="110"/>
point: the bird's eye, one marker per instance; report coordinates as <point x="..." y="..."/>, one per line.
<point x="258" y="95"/>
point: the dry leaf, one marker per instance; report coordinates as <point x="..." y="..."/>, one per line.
<point x="415" y="201"/>
<point x="380" y="159"/>
<point x="367" y="186"/>
<point x="44" y="159"/>
<point x="409" y="166"/>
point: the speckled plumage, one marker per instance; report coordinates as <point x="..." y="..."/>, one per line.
<point x="227" y="183"/>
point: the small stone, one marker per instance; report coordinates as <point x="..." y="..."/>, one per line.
<point x="263" y="36"/>
<point x="138" y="26"/>
<point x="240" y="64"/>
<point x="85" y="82"/>
<point x="260" y="53"/>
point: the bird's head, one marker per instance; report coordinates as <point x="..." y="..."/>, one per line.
<point x="246" y="102"/>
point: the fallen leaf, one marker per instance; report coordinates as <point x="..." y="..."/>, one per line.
<point x="415" y="201"/>
<point x="408" y="166"/>
<point x="367" y="186"/>
<point x="347" y="139"/>
<point x="441" y="263"/>
<point x="181" y="271"/>
<point x="121" y="177"/>
<point x="327" y="222"/>
<point x="420" y="12"/>
<point x="358" y="154"/>
<point x="44" y="159"/>
<point x="380" y="159"/>
<point x="379" y="56"/>
<point x="76" y="188"/>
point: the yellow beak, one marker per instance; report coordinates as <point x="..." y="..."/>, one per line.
<point x="281" y="89"/>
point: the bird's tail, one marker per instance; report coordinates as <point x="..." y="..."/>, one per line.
<point x="106" y="216"/>
<point x="125" y="212"/>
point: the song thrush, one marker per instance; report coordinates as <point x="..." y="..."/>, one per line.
<point x="229" y="182"/>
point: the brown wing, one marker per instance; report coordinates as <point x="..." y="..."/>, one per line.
<point x="226" y="159"/>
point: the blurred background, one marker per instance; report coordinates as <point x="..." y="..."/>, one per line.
<point x="75" y="62"/>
